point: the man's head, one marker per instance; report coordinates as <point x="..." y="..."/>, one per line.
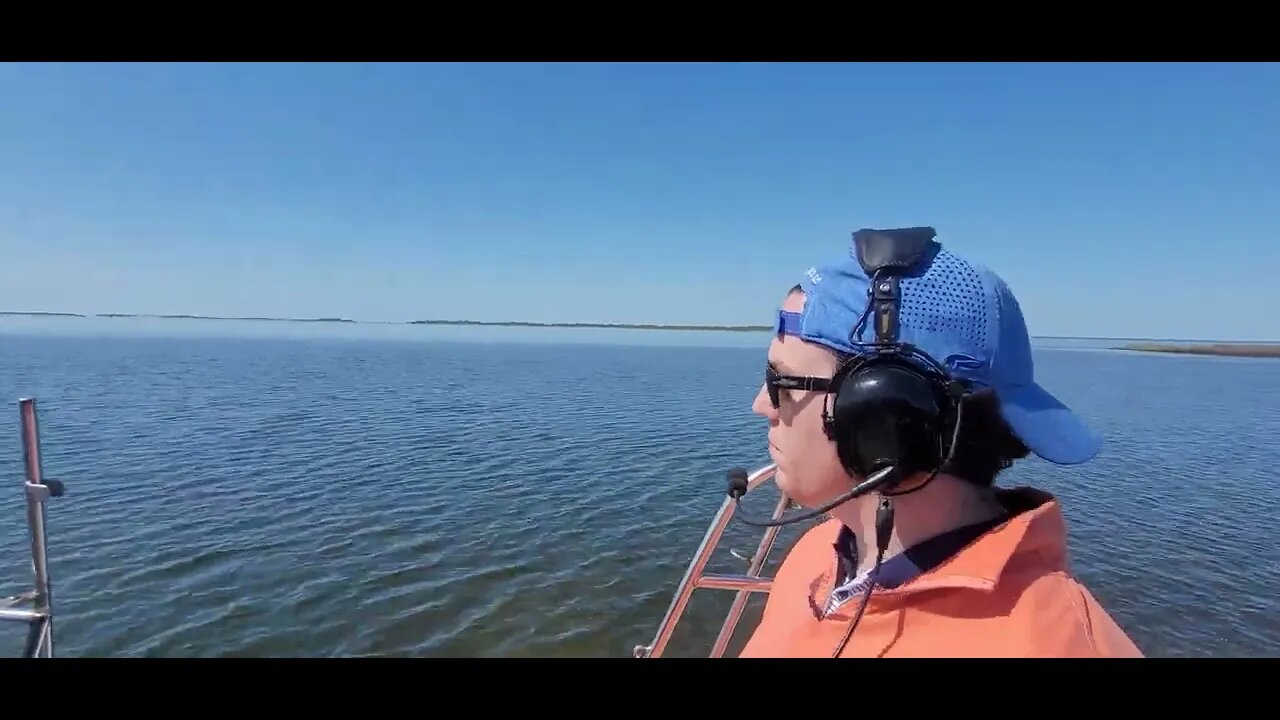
<point x="960" y="314"/>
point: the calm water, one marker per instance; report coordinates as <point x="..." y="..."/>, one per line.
<point x="440" y="491"/>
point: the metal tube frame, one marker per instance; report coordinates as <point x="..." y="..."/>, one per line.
<point x="38" y="490"/>
<point x="694" y="577"/>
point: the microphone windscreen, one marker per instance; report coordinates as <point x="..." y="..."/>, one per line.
<point x="738" y="482"/>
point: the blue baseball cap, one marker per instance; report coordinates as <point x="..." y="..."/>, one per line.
<point x="967" y="319"/>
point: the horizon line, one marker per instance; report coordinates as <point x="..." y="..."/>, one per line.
<point x="708" y="327"/>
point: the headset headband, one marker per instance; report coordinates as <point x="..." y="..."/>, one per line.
<point x="886" y="255"/>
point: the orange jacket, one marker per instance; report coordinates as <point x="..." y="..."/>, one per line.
<point x="1007" y="594"/>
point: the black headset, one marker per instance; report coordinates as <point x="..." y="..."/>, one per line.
<point x="894" y="405"/>
<point x="896" y="411"/>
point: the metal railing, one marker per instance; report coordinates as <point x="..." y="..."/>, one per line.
<point x="38" y="490"/>
<point x="694" y="577"/>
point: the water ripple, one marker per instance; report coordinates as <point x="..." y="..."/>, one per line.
<point x="310" y="497"/>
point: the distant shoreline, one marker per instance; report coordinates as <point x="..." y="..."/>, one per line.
<point x="1253" y="350"/>
<point x="608" y="326"/>
<point x="13" y="313"/>
<point x="503" y="323"/>
<point x="1237" y="348"/>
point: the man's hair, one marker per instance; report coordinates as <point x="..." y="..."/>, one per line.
<point x="986" y="445"/>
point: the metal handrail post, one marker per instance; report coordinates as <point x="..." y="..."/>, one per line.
<point x="694" y="577"/>
<point x="37" y="490"/>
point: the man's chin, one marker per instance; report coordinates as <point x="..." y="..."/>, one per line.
<point x="783" y="480"/>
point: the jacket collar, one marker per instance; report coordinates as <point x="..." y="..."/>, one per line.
<point x="973" y="557"/>
<point x="1034" y="532"/>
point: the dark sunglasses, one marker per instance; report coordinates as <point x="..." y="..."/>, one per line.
<point x="776" y="383"/>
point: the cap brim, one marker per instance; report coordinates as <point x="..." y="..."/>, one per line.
<point x="1046" y="426"/>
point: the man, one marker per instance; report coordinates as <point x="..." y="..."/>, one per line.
<point x="968" y="569"/>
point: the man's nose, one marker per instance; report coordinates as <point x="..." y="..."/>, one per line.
<point x="761" y="404"/>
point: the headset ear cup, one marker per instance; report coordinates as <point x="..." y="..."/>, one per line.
<point x="838" y="423"/>
<point x="887" y="412"/>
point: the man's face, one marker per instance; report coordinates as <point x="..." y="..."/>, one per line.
<point x="809" y="470"/>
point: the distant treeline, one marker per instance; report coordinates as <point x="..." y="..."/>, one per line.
<point x="488" y="323"/>
<point x="1222" y="349"/>
<point x="216" y="317"/>
<point x="169" y="317"/>
<point x="1237" y="349"/>
<point x="615" y="326"/>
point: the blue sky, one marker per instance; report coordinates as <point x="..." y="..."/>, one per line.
<point x="1117" y="200"/>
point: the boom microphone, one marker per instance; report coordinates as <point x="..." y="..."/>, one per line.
<point x="738" y="486"/>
